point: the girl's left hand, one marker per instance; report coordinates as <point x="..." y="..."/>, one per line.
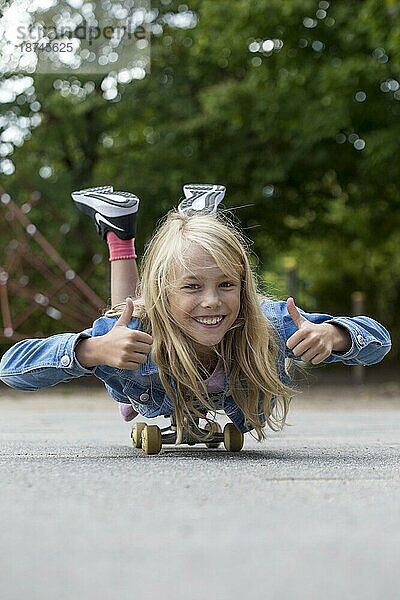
<point x="314" y="342"/>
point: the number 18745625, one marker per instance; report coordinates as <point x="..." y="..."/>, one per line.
<point x="49" y="47"/>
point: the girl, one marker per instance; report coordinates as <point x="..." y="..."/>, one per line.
<point x="195" y="336"/>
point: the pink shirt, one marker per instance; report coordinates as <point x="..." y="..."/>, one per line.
<point x="215" y="383"/>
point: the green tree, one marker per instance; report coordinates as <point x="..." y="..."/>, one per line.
<point x="294" y="106"/>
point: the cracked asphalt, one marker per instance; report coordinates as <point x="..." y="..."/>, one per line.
<point x="313" y="512"/>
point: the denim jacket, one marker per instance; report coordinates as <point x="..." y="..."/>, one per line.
<point x="32" y="364"/>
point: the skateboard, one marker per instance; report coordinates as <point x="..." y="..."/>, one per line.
<point x="151" y="438"/>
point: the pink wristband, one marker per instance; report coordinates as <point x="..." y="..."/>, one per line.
<point x="120" y="249"/>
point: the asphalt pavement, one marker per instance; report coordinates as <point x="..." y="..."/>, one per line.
<point x="312" y="512"/>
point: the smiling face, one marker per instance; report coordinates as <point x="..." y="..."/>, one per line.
<point x="204" y="302"/>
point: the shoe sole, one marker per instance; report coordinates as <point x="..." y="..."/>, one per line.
<point x="121" y="208"/>
<point x="201" y="199"/>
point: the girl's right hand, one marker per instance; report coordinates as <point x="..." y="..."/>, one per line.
<point x="121" y="347"/>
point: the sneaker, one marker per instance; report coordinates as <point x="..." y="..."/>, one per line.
<point x="111" y="211"/>
<point x="201" y="198"/>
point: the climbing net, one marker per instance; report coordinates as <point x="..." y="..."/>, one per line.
<point x="34" y="277"/>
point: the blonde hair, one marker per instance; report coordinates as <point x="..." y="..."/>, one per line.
<point x="248" y="350"/>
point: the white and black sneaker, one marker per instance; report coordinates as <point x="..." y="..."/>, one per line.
<point x="111" y="211"/>
<point x="201" y="199"/>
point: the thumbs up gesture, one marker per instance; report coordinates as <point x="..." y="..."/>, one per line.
<point x="121" y="347"/>
<point x="314" y="342"/>
<point x="126" y="316"/>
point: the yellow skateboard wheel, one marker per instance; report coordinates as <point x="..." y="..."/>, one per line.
<point x="136" y="434"/>
<point x="217" y="428"/>
<point x="151" y="439"/>
<point x="233" y="438"/>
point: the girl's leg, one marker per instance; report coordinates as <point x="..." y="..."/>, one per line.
<point x="124" y="272"/>
<point x="124" y="280"/>
<point x="115" y="216"/>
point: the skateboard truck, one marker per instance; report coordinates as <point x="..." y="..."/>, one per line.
<point x="151" y="438"/>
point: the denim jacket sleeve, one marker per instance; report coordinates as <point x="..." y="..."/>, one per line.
<point x="33" y="364"/>
<point x="370" y="341"/>
<point x="37" y="363"/>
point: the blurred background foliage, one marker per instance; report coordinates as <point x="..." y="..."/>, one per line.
<point x="294" y="106"/>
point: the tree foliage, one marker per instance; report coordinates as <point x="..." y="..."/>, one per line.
<point x="294" y="106"/>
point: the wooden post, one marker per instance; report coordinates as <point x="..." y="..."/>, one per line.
<point x="358" y="308"/>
